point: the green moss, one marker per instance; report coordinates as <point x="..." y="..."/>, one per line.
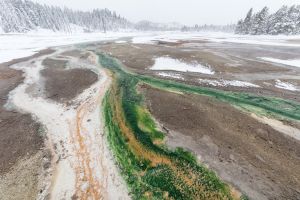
<point x="267" y="105"/>
<point x="144" y="180"/>
<point x="147" y="124"/>
<point x="244" y="197"/>
<point x="186" y="154"/>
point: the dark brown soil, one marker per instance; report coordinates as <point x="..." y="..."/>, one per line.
<point x="76" y="53"/>
<point x="53" y="63"/>
<point x="259" y="161"/>
<point x="19" y="135"/>
<point x="63" y="85"/>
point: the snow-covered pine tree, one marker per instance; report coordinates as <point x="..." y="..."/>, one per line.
<point x="248" y="22"/>
<point x="239" y="27"/>
<point x="279" y="21"/>
<point x="293" y="16"/>
<point x="260" y="22"/>
<point x="297" y="30"/>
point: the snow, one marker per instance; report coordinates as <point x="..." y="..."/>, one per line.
<point x="170" y="75"/>
<point x="166" y="63"/>
<point x="18" y="45"/>
<point x="167" y="36"/>
<point x="224" y="83"/>
<point x="14" y="46"/>
<point x="294" y="63"/>
<point x="143" y="40"/>
<point x="268" y="40"/>
<point x="120" y="41"/>
<point x="175" y="36"/>
<point x="286" y="86"/>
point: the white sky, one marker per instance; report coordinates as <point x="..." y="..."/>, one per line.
<point x="183" y="11"/>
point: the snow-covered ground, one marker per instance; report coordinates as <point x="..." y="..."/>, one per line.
<point x="14" y="46"/>
<point x="224" y="83"/>
<point x="21" y="45"/>
<point x="294" y="63"/>
<point x="270" y="40"/>
<point x="273" y="40"/>
<point x="166" y="63"/>
<point x="286" y="86"/>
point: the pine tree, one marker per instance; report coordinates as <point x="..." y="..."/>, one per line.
<point x="260" y="20"/>
<point x="279" y="21"/>
<point x="247" y="25"/>
<point x="293" y="15"/>
<point x="240" y="27"/>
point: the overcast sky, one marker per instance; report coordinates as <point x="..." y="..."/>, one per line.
<point x="182" y="11"/>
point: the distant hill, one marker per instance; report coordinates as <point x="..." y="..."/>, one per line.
<point x="213" y="28"/>
<point x="152" y="26"/>
<point x="24" y="15"/>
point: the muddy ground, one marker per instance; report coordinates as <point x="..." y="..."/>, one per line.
<point x="250" y="155"/>
<point x="23" y="155"/>
<point x="21" y="141"/>
<point x="63" y="84"/>
<point x="18" y="132"/>
<point x="259" y="161"/>
<point x="229" y="61"/>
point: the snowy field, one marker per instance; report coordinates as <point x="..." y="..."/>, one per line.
<point x="14" y="46"/>
<point x="272" y="40"/>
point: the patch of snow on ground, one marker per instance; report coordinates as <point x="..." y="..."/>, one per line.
<point x="225" y="83"/>
<point x="120" y="41"/>
<point x="294" y="63"/>
<point x="166" y="63"/>
<point x="170" y="75"/>
<point x="142" y="40"/>
<point x="286" y="86"/>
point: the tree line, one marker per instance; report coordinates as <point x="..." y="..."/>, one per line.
<point x="24" y="15"/>
<point x="209" y="27"/>
<point x="284" y="21"/>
